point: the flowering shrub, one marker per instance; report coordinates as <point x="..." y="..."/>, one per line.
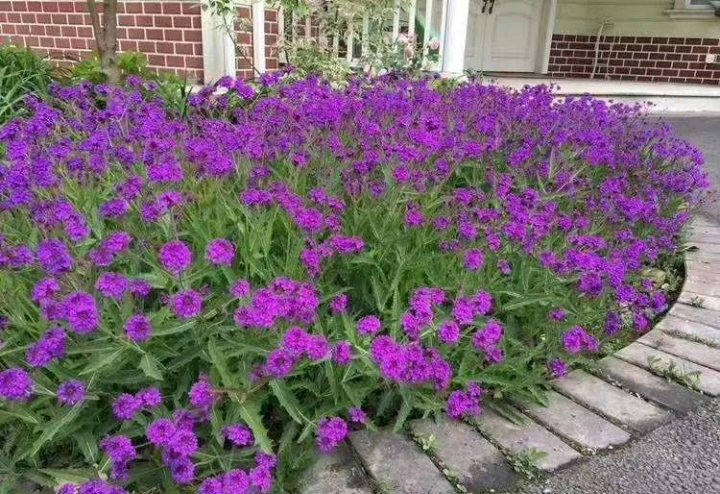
<point x="186" y="304"/>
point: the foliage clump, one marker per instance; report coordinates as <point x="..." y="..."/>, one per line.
<point x="187" y="302"/>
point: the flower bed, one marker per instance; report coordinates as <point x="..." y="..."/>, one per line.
<point x="205" y="302"/>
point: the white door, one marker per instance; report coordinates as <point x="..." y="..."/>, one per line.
<point x="512" y="36"/>
<point x="475" y="42"/>
<point x="506" y="37"/>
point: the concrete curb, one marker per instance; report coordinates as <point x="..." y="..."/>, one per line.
<point x="666" y="373"/>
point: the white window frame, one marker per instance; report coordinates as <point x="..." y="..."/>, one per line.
<point x="685" y="9"/>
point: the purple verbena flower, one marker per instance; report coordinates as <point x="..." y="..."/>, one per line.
<point x="139" y="328"/>
<point x="16" y="385"/>
<point x="239" y="435"/>
<point x="176" y="257"/>
<point x="221" y="252"/>
<point x="332" y="432"/>
<point x="126" y="407"/>
<point x="187" y="304"/>
<point x="369" y="326"/>
<point x="71" y="393"/>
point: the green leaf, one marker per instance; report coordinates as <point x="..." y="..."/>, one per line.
<point x="250" y="413"/>
<point x="50" y="430"/>
<point x="102" y="361"/>
<point x="88" y="445"/>
<point x="68" y="475"/>
<point x="220" y="364"/>
<point x="404" y="412"/>
<point x="150" y="366"/>
<point x="18" y="414"/>
<point x="287" y="400"/>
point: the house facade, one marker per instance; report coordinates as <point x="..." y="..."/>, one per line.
<point x="640" y="40"/>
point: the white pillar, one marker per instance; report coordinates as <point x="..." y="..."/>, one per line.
<point x="218" y="45"/>
<point x="456" y="24"/>
<point x="258" y="16"/>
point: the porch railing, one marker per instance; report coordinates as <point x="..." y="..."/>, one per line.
<point x="350" y="39"/>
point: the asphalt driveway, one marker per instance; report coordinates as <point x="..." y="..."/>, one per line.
<point x="704" y="132"/>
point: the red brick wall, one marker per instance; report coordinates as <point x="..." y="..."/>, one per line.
<point x="244" y="33"/>
<point x="636" y="58"/>
<point x="169" y="32"/>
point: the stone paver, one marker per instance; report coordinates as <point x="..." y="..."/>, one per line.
<point x="703" y="231"/>
<point x="702" y="221"/>
<point x="692" y="264"/>
<point x="527" y="436"/>
<point x="703" y="247"/>
<point x="689" y="298"/>
<point x="338" y="473"/>
<point x="659" y="362"/>
<point x="667" y="393"/>
<point x="576" y="423"/>
<point x="697" y="314"/>
<point x="398" y="465"/>
<point x="611" y="401"/>
<point x="702" y="282"/>
<point x="690" y="329"/>
<point x="701" y="257"/>
<point x="704" y="237"/>
<point x="479" y="465"/>
<point x="689" y="350"/>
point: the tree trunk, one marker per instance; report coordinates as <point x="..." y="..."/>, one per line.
<point x="106" y="37"/>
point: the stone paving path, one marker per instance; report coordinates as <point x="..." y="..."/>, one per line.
<point x="665" y="374"/>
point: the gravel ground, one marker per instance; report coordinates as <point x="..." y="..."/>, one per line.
<point x="679" y="458"/>
<point x="682" y="457"/>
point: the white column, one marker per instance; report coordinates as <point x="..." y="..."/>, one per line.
<point x="218" y="46"/>
<point x="258" y="16"/>
<point x="456" y="24"/>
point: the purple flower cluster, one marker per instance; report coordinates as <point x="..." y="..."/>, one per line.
<point x="369" y="326"/>
<point x="71" y="393"/>
<point x="92" y="487"/>
<point x="258" y="479"/>
<point x="52" y="346"/>
<point x="122" y="453"/>
<point x="202" y="395"/>
<point x="284" y="300"/>
<point x="187" y="304"/>
<point x="16" y="385"/>
<point x="111" y="249"/>
<point x="55" y="258"/>
<point x="81" y="312"/>
<point x="467" y="309"/>
<point x="127" y="406"/>
<point x="332" y="432"/>
<point x="239" y="435"/>
<point x="464" y="404"/>
<point x="421" y="315"/>
<point x="578" y="340"/>
<point x="339" y="305"/>
<point x="221" y="252"/>
<point x="411" y="364"/>
<point x="443" y="214"/>
<point x="296" y="345"/>
<point x="179" y="443"/>
<point x="488" y="341"/>
<point x="113" y="285"/>
<point x="139" y="328"/>
<point x="176" y="257"/>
